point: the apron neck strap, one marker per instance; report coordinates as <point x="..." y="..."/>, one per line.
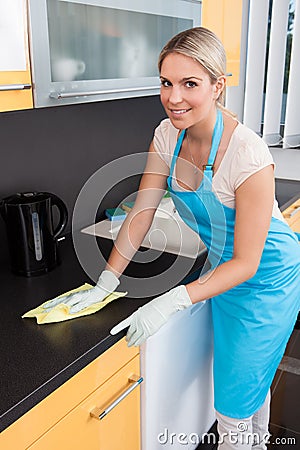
<point x="177" y="150"/>
<point x="216" y="139"/>
<point x="215" y="142"/>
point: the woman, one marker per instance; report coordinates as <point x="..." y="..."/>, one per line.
<point x="254" y="282"/>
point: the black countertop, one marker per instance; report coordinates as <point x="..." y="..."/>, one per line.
<point x="37" y="359"/>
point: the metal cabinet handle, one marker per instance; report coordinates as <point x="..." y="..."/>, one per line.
<point x="295" y="211"/>
<point x="58" y="95"/>
<point x="14" y="87"/>
<point x="290" y="214"/>
<point x="99" y="415"/>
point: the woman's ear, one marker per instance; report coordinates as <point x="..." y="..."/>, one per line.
<point x="220" y="86"/>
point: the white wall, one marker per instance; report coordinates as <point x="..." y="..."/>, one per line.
<point x="287" y="163"/>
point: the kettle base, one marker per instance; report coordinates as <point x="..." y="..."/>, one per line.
<point x="34" y="273"/>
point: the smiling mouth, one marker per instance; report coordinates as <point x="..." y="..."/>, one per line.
<point x="179" y="112"/>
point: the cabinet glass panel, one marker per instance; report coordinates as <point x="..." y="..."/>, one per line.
<point x="91" y="50"/>
<point x="91" y="42"/>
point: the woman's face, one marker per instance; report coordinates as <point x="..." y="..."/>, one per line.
<point x="187" y="93"/>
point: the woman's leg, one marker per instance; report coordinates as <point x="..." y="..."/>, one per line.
<point x="260" y="425"/>
<point x="234" y="434"/>
<point x="245" y="434"/>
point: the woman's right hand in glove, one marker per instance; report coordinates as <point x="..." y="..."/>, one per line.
<point x="106" y="284"/>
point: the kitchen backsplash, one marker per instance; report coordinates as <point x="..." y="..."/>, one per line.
<point x="57" y="149"/>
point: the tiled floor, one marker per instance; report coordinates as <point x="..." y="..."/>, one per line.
<point x="285" y="403"/>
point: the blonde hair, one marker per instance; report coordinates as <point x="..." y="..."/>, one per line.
<point x="204" y="47"/>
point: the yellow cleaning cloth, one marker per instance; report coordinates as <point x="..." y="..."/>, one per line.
<point x="61" y="312"/>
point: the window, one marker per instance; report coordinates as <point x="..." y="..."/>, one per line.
<point x="273" y="69"/>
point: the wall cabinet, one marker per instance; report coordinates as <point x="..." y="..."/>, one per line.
<point x="224" y="17"/>
<point x="292" y="216"/>
<point x="69" y="417"/>
<point x="92" y="50"/>
<point x="15" y="77"/>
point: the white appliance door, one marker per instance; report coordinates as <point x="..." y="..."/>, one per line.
<point x="177" y="393"/>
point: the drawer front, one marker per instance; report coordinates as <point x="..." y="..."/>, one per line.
<point x="119" y="429"/>
<point x="292" y="216"/>
<point x="26" y="430"/>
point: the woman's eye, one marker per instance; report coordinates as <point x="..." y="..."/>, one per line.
<point x="190" y="84"/>
<point x="165" y="83"/>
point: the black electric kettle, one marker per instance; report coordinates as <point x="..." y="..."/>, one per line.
<point x="32" y="238"/>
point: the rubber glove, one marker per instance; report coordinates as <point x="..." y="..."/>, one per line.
<point x="106" y="284"/>
<point x="148" y="319"/>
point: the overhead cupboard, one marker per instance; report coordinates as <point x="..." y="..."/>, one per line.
<point x="92" y="50"/>
<point x="15" y="77"/>
<point x="60" y="52"/>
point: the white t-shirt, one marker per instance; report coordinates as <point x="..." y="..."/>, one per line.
<point x="246" y="154"/>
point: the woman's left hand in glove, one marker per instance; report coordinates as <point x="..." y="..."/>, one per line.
<point x="148" y="319"/>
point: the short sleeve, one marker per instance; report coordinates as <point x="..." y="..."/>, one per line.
<point x="251" y="155"/>
<point x="164" y="140"/>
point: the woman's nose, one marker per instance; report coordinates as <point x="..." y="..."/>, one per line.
<point x="175" y="95"/>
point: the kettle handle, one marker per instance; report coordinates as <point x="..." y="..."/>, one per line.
<point x="2" y="209"/>
<point x="63" y="219"/>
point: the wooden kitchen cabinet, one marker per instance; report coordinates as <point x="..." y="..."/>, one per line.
<point x="292" y="216"/>
<point x="15" y="76"/>
<point x="63" y="420"/>
<point x="119" y="429"/>
<point x="224" y="17"/>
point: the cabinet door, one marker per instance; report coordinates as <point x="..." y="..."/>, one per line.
<point x="292" y="216"/>
<point x="101" y="49"/>
<point x="119" y="429"/>
<point x="15" y="78"/>
<point x="224" y="17"/>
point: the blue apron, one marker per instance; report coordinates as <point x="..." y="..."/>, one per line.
<point x="252" y="321"/>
